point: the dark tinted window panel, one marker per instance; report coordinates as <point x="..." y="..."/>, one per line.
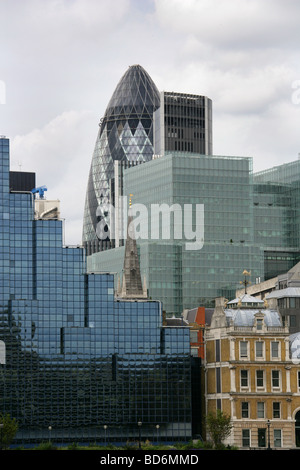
<point x="21" y="181"/>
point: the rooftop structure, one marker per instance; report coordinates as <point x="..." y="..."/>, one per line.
<point x="283" y="291"/>
<point x="183" y="122"/>
<point x="243" y="311"/>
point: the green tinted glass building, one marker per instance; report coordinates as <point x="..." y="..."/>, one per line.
<point x="277" y="216"/>
<point x="251" y="221"/>
<point x="180" y="276"/>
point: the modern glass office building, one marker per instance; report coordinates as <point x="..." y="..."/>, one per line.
<point x="125" y="136"/>
<point x="277" y="216"/>
<point x="184" y="277"/>
<point x="251" y="221"/>
<point x="73" y="357"/>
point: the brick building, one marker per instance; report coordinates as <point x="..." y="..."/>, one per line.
<point x="251" y="374"/>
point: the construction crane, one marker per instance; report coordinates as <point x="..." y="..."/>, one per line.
<point x="40" y="190"/>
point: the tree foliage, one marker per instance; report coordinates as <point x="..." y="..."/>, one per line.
<point x="219" y="426"/>
<point x="8" y="429"/>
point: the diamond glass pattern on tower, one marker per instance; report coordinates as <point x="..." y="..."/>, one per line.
<point x="125" y="135"/>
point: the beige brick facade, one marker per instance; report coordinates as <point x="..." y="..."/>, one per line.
<point x="250" y="376"/>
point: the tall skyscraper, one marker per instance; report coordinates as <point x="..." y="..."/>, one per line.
<point x="183" y="123"/>
<point x="125" y="136"/>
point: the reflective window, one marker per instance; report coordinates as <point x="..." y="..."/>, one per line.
<point x="75" y="358"/>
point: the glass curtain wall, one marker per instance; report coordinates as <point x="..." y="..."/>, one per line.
<point x="277" y="216"/>
<point x="73" y="358"/>
<point x="223" y="185"/>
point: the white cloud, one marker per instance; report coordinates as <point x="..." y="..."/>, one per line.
<point x="236" y="24"/>
<point x="243" y="55"/>
<point x="61" y="57"/>
<point x="60" y="154"/>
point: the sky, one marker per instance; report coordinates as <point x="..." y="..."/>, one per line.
<point x="60" y="61"/>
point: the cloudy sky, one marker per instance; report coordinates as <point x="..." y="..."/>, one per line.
<point x="60" y="61"/>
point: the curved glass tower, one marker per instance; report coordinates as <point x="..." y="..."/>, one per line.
<point x="125" y="135"/>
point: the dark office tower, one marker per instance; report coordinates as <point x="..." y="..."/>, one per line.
<point x="125" y="136"/>
<point x="183" y="123"/>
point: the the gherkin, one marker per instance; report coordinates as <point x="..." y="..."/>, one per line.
<point x="126" y="135"/>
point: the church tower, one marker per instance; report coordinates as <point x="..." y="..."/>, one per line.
<point x="132" y="287"/>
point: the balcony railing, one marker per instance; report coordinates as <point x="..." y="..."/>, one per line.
<point x="269" y="329"/>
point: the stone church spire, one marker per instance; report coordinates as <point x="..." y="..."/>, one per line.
<point x="132" y="287"/>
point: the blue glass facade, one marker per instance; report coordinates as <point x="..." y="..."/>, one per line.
<point x="77" y="358"/>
